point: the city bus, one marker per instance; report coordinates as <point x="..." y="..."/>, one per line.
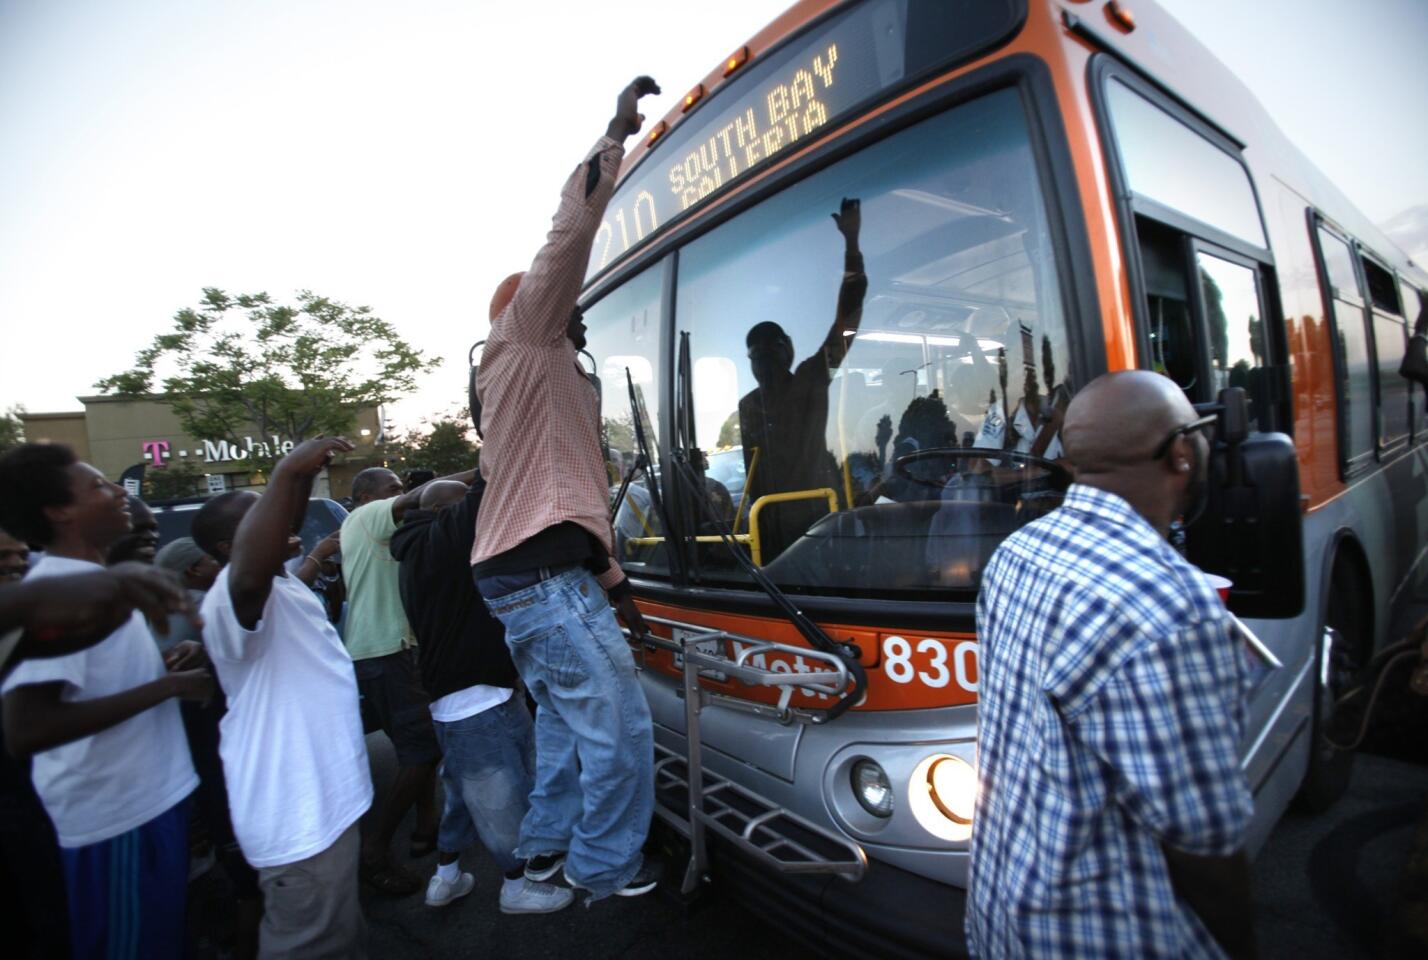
<point x="836" y="308"/>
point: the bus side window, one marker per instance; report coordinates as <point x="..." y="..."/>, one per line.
<point x="1171" y="332"/>
<point x="1340" y="282"/>
<point x="1415" y="314"/>
<point x="1389" y="341"/>
<point x="1209" y="333"/>
<point x="1203" y="253"/>
<point x="1231" y="305"/>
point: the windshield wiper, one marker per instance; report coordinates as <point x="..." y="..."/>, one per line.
<point x="635" y="468"/>
<point x="652" y="480"/>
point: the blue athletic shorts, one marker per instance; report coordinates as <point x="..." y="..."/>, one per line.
<point x="127" y="893"/>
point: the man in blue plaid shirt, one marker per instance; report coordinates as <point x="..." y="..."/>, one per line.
<point x="1111" y="708"/>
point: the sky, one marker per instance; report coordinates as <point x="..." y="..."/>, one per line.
<point x="408" y="156"/>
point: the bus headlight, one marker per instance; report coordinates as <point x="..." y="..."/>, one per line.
<point x="872" y="788"/>
<point x="942" y="794"/>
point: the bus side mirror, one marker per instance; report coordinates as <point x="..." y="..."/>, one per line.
<point x="1252" y="529"/>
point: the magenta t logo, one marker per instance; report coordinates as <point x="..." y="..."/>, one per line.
<point x="158" y="450"/>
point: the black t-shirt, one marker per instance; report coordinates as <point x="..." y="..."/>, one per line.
<point x="459" y="643"/>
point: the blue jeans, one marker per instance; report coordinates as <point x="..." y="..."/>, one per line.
<point x="487" y="769"/>
<point x="594" y="784"/>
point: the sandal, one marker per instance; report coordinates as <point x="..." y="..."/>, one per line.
<point x="422" y="844"/>
<point x="387" y="879"/>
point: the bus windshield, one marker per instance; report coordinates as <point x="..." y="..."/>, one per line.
<point x="879" y="367"/>
<point x="867" y="410"/>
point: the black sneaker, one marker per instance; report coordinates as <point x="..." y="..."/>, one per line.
<point x="543" y="866"/>
<point x="641" y="883"/>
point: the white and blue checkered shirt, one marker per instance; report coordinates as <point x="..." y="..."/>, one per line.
<point x="1111" y="708"/>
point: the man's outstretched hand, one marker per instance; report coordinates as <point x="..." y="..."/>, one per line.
<point x="309" y="457"/>
<point x="65" y="614"/>
<point x="849" y="219"/>
<point x="628" y="119"/>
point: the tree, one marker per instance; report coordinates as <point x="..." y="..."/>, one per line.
<point x="444" y="448"/>
<point x="236" y="362"/>
<point x="12" y="428"/>
<point x="178" y="479"/>
<point x="730" y="433"/>
<point x="620" y="432"/>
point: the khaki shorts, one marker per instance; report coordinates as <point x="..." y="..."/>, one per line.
<point x="310" y="907"/>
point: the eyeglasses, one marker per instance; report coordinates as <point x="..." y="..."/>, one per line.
<point x="1206" y="423"/>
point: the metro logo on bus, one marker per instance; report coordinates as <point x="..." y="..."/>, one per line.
<point x="906" y="670"/>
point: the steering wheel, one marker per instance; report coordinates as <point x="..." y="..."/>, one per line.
<point x="1058" y="475"/>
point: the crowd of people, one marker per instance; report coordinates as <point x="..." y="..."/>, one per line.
<point x="141" y="682"/>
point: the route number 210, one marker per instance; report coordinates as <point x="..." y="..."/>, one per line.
<point x="929" y="663"/>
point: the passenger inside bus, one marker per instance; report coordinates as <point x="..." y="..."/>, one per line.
<point x="783" y="419"/>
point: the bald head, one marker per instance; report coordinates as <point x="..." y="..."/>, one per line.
<point x="1112" y="431"/>
<point x="504" y="292"/>
<point x="442" y="493"/>
<point x="1119" y="418"/>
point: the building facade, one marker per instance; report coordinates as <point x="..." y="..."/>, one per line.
<point x="117" y="434"/>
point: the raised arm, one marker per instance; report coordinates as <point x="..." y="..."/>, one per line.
<point x="849" y="315"/>
<point x="63" y="614"/>
<point x="540" y="309"/>
<point x="38" y="718"/>
<point x="412" y="498"/>
<point x="312" y="565"/>
<point x="260" y="546"/>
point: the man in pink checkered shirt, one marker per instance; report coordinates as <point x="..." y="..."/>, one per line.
<point x="542" y="558"/>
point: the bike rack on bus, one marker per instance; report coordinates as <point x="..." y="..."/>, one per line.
<point x="778" y="838"/>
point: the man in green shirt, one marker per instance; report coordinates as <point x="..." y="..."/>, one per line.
<point x="383" y="652"/>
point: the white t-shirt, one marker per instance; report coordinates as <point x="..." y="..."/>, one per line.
<point x="291" y="743"/>
<point x="460" y="704"/>
<point x="117" y="779"/>
<point x="1027" y="433"/>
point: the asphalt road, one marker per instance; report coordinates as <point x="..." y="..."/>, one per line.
<point x="1325" y="886"/>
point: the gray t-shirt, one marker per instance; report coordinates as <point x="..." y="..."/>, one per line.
<point x="181" y="627"/>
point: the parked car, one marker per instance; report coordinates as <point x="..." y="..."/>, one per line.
<point x="175" y="518"/>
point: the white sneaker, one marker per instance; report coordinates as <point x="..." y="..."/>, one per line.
<point x="440" y="892"/>
<point x="526" y="896"/>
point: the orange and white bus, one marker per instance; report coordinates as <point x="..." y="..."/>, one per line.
<point x="1047" y="190"/>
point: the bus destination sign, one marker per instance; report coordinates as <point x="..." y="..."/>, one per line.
<point x="781" y="101"/>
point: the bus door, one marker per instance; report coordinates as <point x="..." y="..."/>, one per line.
<point x="1205" y="304"/>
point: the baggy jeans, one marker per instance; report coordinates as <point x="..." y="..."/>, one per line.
<point x="487" y="769"/>
<point x="594" y="784"/>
